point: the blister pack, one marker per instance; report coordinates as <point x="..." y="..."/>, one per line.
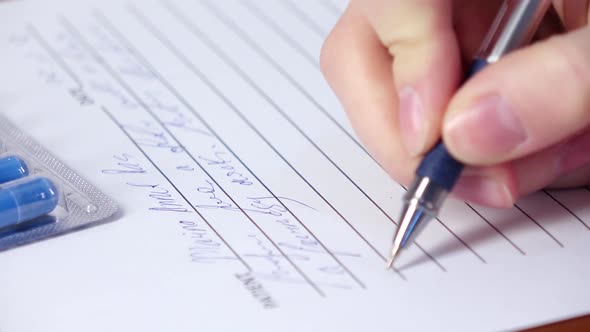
<point x="40" y="197"/>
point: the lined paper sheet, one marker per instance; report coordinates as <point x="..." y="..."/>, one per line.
<point x="247" y="201"/>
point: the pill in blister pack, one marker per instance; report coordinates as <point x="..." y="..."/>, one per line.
<point x="12" y="168"/>
<point x="40" y="197"/>
<point x="26" y="199"/>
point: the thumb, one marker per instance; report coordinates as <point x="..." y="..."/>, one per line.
<point x="528" y="101"/>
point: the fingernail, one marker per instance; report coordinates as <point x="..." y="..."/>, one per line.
<point x="483" y="190"/>
<point x="489" y="127"/>
<point x="412" y="121"/>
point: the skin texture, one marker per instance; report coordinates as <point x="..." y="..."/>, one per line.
<point x="521" y="124"/>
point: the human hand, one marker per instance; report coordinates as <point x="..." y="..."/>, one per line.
<point x="520" y="125"/>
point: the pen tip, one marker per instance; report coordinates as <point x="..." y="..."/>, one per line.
<point x="392" y="256"/>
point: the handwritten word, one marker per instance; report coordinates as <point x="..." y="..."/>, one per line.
<point x="203" y="248"/>
<point x="165" y="200"/>
<point x="221" y="160"/>
<point x="174" y="116"/>
<point x="186" y="168"/>
<point x="269" y="256"/>
<point x="146" y="135"/>
<point x="125" y="165"/>
<point x="81" y="96"/>
<point x="256" y="205"/>
<point x="209" y="190"/>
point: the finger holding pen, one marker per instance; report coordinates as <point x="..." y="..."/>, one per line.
<point x="418" y="70"/>
<point x="530" y="111"/>
<point x="369" y="77"/>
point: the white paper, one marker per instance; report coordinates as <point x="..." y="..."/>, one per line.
<point x="247" y="202"/>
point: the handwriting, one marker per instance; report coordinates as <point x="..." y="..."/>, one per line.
<point x="203" y="247"/>
<point x="146" y="135"/>
<point x="209" y="190"/>
<point x="165" y="200"/>
<point x="110" y="91"/>
<point x="70" y="48"/>
<point x="80" y="95"/>
<point x="125" y="165"/>
<point x="186" y="168"/>
<point x="259" y="200"/>
<point x="269" y="256"/>
<point x="222" y="161"/>
<point x="129" y="66"/>
<point x="218" y="203"/>
<point x="179" y="118"/>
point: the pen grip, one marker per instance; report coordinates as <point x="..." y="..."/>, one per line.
<point x="438" y="165"/>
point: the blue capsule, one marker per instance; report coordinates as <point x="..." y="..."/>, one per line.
<point x="12" y="168"/>
<point x="25" y="200"/>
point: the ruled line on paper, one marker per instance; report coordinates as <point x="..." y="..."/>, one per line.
<point x="527" y="216"/>
<point x="263" y="94"/>
<point x="58" y="60"/>
<point x="130" y="91"/>
<point x="298" y="86"/>
<point x="255" y="10"/>
<point x="563" y="205"/>
<point x="534" y="221"/>
<point x="173" y="49"/>
<point x="108" y="25"/>
<point x="264" y="55"/>
<point x="304" y="17"/>
<point x="306" y="20"/>
<point x="34" y="32"/>
<point x="566" y="208"/>
<point x="142" y="151"/>
<point x="179" y="87"/>
<point x="514" y="245"/>
<point x="339" y="4"/>
<point x="332" y="8"/>
<point x="478" y="256"/>
<point x="73" y="30"/>
<point x="203" y="77"/>
<point x="194" y="30"/>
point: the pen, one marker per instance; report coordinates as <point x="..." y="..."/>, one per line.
<point x="514" y="26"/>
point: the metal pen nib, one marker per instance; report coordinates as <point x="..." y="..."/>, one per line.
<point x="392" y="256"/>
<point x="421" y="204"/>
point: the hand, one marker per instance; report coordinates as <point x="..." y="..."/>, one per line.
<point x="521" y="124"/>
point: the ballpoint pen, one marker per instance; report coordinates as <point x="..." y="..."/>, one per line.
<point x="514" y="25"/>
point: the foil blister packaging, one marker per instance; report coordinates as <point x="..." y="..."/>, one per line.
<point x="79" y="203"/>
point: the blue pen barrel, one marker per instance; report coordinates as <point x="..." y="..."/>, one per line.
<point x="438" y="165"/>
<point x="12" y="168"/>
<point x="25" y="200"/>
